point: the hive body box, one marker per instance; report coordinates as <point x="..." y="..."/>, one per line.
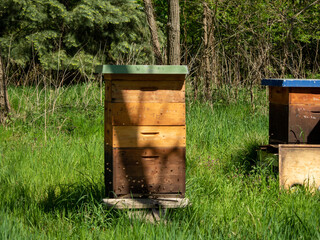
<point x="294" y="111"/>
<point x="299" y="164"/>
<point x="145" y="131"/>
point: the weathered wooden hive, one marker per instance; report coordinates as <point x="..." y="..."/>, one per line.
<point x="145" y="130"/>
<point x="294" y="111"/>
<point x="294" y="130"/>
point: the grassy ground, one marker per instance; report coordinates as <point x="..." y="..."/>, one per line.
<point x="51" y="174"/>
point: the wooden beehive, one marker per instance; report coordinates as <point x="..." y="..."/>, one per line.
<point x="294" y="111"/>
<point x="299" y="164"/>
<point x="145" y="130"/>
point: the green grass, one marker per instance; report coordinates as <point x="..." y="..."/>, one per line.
<point x="51" y="174"/>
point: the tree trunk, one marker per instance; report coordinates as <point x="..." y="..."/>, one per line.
<point x="153" y="30"/>
<point x="209" y="63"/>
<point x="4" y="102"/>
<point x="206" y="57"/>
<point x="185" y="35"/>
<point x="173" y="33"/>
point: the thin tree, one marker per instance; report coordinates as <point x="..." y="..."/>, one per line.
<point x="173" y="27"/>
<point x="208" y="49"/>
<point x="153" y="30"/>
<point x="4" y="101"/>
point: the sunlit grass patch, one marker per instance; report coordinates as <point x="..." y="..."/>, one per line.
<point x="51" y="175"/>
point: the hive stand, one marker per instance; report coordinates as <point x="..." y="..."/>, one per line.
<point x="155" y="208"/>
<point x="145" y="135"/>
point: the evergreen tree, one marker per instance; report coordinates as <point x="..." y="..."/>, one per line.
<point x="77" y="34"/>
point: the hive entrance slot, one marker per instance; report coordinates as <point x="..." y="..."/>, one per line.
<point x="150" y="133"/>
<point x="149" y="157"/>
<point x="148" y="89"/>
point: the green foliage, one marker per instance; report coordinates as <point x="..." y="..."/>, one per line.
<point x="252" y="39"/>
<point x="72" y="35"/>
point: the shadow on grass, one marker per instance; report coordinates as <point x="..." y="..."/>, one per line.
<point x="71" y="196"/>
<point x="250" y="160"/>
<point x="77" y="203"/>
<point x="85" y="198"/>
<point x="246" y="158"/>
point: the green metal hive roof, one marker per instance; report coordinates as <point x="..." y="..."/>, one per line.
<point x="142" y="69"/>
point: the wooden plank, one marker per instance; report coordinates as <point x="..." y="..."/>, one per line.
<point x="142" y="69"/>
<point x="148" y="91"/>
<point x="153" y="195"/>
<point x="279" y="95"/>
<point x="304" y="124"/>
<point x="307" y="90"/>
<point x="162" y="156"/>
<point x="108" y="91"/>
<point x="109" y="177"/>
<point x="299" y="165"/>
<point x="146" y="86"/>
<point x="126" y="114"/>
<point x="149" y="136"/>
<point x="154" y="215"/>
<point x="150" y="170"/>
<point x="108" y="126"/>
<point x="144" y="77"/>
<point x="305" y="98"/>
<point x="278" y="123"/>
<point x="142" y="203"/>
<point x="139" y="185"/>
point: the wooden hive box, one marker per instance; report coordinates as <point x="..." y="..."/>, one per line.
<point x="145" y="130"/>
<point x="294" y="110"/>
<point x="299" y="164"/>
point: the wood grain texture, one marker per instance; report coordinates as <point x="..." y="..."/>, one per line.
<point x="108" y="91"/>
<point x="139" y="114"/>
<point x="279" y="95"/>
<point x="169" y="184"/>
<point x="108" y="125"/>
<point x="148" y="91"/>
<point x="304" y="95"/>
<point x="294" y="123"/>
<point x="144" y="203"/>
<point x="146" y="171"/>
<point x="311" y="90"/>
<point x="149" y="136"/>
<point x="145" y="130"/>
<point x="304" y="124"/>
<point x="305" y="98"/>
<point x="299" y="165"/>
<point x="145" y="77"/>
<point x="278" y="123"/>
<point x="150" y="162"/>
<point x="109" y="177"/>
